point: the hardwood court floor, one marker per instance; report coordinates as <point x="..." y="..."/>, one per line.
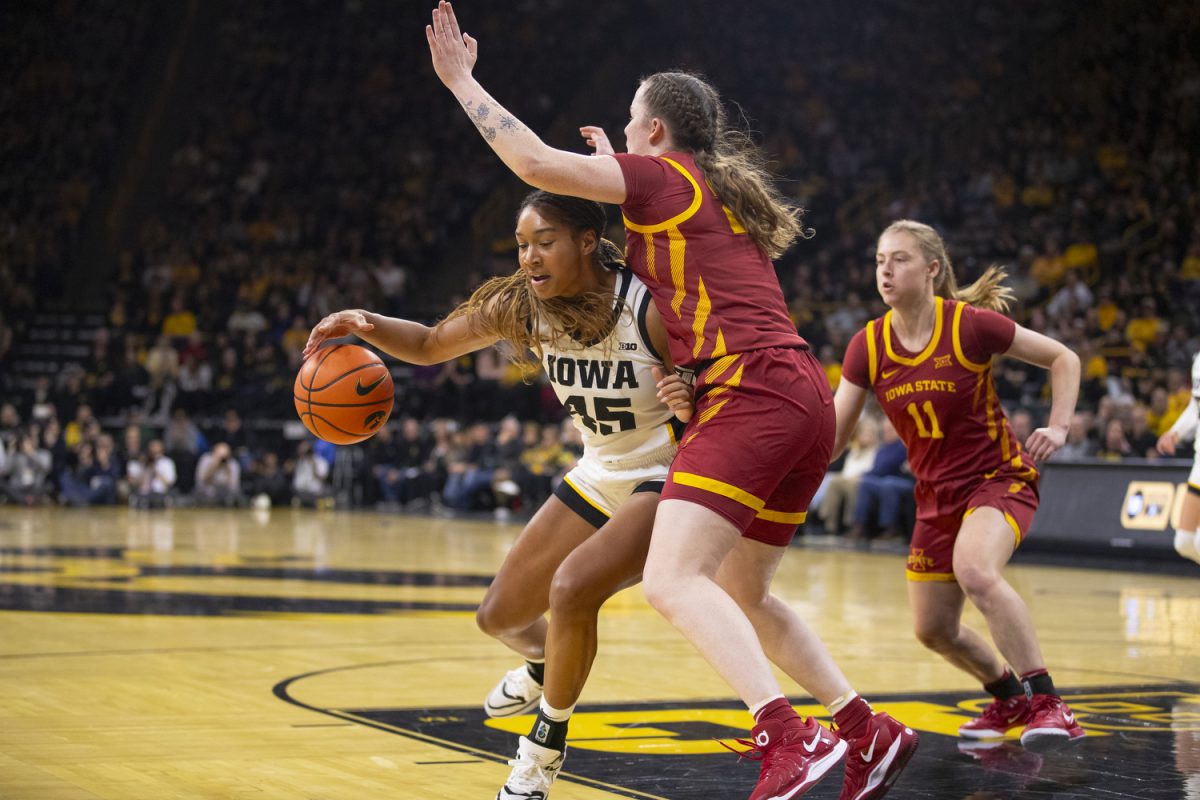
<point x="297" y="654"/>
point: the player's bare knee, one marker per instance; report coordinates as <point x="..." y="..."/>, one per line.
<point x="935" y="636"/>
<point x="978" y="583"/>
<point x="491" y="618"/>
<point x="573" y="594"/>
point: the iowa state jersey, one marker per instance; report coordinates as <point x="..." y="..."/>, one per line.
<point x="942" y="400"/>
<point x="716" y="292"/>
<point x="609" y="389"/>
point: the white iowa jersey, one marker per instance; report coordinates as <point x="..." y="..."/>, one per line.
<point x="609" y="390"/>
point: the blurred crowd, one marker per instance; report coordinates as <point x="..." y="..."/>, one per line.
<point x="324" y="167"/>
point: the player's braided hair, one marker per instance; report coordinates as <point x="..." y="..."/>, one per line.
<point x="987" y="292"/>
<point x="507" y="308"/>
<point x="732" y="164"/>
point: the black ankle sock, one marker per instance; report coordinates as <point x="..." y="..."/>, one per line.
<point x="548" y="732"/>
<point x="1038" y="682"/>
<point x="1005" y="686"/>
<point x="537" y="670"/>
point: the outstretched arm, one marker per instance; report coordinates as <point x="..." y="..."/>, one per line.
<point x="522" y="151"/>
<point x="1042" y="351"/>
<point x="407" y="341"/>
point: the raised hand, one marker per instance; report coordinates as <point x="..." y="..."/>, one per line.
<point x="1044" y="442"/>
<point x="598" y="139"/>
<point x="454" y="52"/>
<point x="675" y="393"/>
<point x="336" y="325"/>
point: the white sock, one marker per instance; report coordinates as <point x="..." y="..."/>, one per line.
<point x="556" y="714"/>
<point x="1196" y="547"/>
<point x="841" y="702"/>
<point x="1185" y="544"/>
<point x="757" y="707"/>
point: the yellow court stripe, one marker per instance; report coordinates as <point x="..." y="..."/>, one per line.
<point x="872" y="355"/>
<point x="783" y="516"/>
<point x="929" y="348"/>
<point x="939" y="577"/>
<point x="956" y="336"/>
<point x="718" y="487"/>
<point x="587" y="499"/>
<point x="678" y="219"/>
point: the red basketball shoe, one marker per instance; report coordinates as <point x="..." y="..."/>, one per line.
<point x="877" y="758"/>
<point x="998" y="718"/>
<point x="1051" y="724"/>
<point x="795" y="756"/>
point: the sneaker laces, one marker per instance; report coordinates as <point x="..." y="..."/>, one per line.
<point x="529" y="776"/>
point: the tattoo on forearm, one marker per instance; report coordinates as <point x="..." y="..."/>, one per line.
<point x="479" y="113"/>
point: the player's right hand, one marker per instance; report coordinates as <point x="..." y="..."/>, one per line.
<point x="336" y="325"/>
<point x="1166" y="444"/>
<point x="598" y="139"/>
<point x="675" y="393"/>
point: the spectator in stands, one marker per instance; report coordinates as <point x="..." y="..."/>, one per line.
<point x="151" y="477"/>
<point x="29" y="468"/>
<point x="839" y="499"/>
<point x="883" y="489"/>
<point x="219" y="477"/>
<point x="1073" y="298"/>
<point x="1078" y="446"/>
<point x="1115" y="446"/>
<point x="310" y="480"/>
<point x="269" y="482"/>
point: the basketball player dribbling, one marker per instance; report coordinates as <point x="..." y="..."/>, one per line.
<point x="702" y="222"/>
<point x="929" y="363"/>
<point x="601" y="342"/>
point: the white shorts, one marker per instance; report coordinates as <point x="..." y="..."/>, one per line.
<point x="594" y="491"/>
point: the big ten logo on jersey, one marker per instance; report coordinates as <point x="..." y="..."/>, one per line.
<point x="627" y="345"/>
<point x="1152" y="505"/>
<point x="588" y="373"/>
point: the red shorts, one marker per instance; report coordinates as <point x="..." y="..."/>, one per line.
<point x="759" y="441"/>
<point x="942" y="507"/>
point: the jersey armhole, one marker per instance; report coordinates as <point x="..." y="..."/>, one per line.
<point x="956" y="336"/>
<point x="643" y="306"/>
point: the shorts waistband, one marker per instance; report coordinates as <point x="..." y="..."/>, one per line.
<point x="661" y="455"/>
<point x="700" y="366"/>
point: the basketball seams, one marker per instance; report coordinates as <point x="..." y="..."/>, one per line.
<point x="339" y="388"/>
<point x="351" y="371"/>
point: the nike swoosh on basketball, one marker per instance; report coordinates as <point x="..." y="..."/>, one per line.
<point x="887" y="373"/>
<point x="363" y="391"/>
<point x="870" y="754"/>
<point x="812" y="744"/>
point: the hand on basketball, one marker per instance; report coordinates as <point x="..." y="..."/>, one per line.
<point x="597" y="138"/>
<point x="1166" y="443"/>
<point x="675" y="393"/>
<point x="335" y="326"/>
<point x="454" y="52"/>
<point x="1044" y="442"/>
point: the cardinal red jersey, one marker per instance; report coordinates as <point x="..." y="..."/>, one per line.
<point x="942" y="400"/>
<point x="716" y="291"/>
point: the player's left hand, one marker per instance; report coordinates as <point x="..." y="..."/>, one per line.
<point x="598" y="139"/>
<point x="454" y="52"/>
<point x="1044" y="442"/>
<point x="675" y="393"/>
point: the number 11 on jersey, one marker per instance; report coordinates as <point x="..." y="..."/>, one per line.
<point x="934" y="431"/>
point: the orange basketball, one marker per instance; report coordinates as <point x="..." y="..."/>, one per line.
<point x="344" y="393"/>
